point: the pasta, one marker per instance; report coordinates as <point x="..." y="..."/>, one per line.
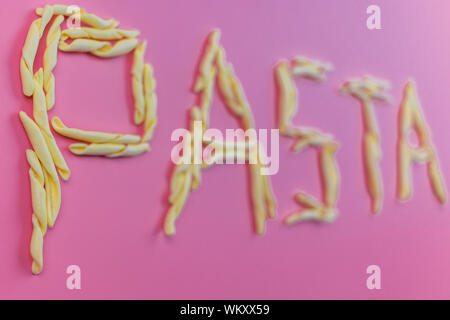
<point x="50" y="59"/>
<point x="312" y="208"/>
<point x="93" y="136"/>
<point x="412" y="118"/>
<point x="366" y="90"/>
<point x="98" y="34"/>
<point x="150" y="102"/>
<point x="30" y="48"/>
<point x="51" y="180"/>
<point x="46" y="159"/>
<point x="41" y="118"/>
<point x="102" y="49"/>
<point x="186" y="177"/>
<point x="110" y="150"/>
<point x="137" y="83"/>
<point x="39" y="218"/>
<point x="87" y="18"/>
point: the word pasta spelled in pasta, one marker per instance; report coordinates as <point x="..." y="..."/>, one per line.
<point x="46" y="160"/>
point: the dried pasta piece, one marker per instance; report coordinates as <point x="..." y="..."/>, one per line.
<point x="41" y="118"/>
<point x="151" y="101"/>
<point x="109" y="150"/>
<point x="93" y="136"/>
<point x="50" y="59"/>
<point x="98" y="34"/>
<point x="287" y="104"/>
<point x="330" y="174"/>
<point x="38" y="142"/>
<point x="51" y="180"/>
<point x="204" y="74"/>
<point x="38" y="194"/>
<point x="39" y="217"/>
<point x="137" y="82"/>
<point x="102" y="49"/>
<point x="411" y="118"/>
<point x="36" y="247"/>
<point x="314" y="69"/>
<point x="87" y="18"/>
<point x="181" y="184"/>
<point x="46" y="160"/>
<point x="29" y="49"/>
<point x="366" y="90"/>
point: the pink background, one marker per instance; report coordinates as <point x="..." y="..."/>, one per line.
<point x="110" y="221"/>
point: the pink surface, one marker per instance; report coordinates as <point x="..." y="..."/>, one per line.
<point x="110" y="221"/>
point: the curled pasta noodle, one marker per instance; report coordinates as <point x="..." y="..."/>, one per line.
<point x="204" y="75"/>
<point x="87" y="18"/>
<point x="36" y="247"/>
<point x="181" y="183"/>
<point x="41" y="117"/>
<point x="109" y="150"/>
<point x="102" y="49"/>
<point x="29" y="49"/>
<point x="98" y="34"/>
<point x="38" y="194"/>
<point x="39" y="217"/>
<point x="38" y="142"/>
<point x="51" y="180"/>
<point x="150" y="101"/>
<point x="50" y="59"/>
<point x="137" y="83"/>
<point x="93" y="136"/>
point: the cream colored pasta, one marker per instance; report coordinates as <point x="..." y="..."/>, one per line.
<point x="41" y="118"/>
<point x="312" y="208"/>
<point x="98" y="34"/>
<point x="39" y="145"/>
<point x="181" y="183"/>
<point x="51" y="180"/>
<point x="36" y="247"/>
<point x="46" y="160"/>
<point x="366" y="90"/>
<point x="330" y="173"/>
<point x="412" y="118"/>
<point x="93" y="136"/>
<point x="102" y="49"/>
<point x="39" y="217"/>
<point x="287" y="104"/>
<point x="187" y="177"/>
<point x="30" y="48"/>
<point x="151" y="101"/>
<point x="109" y="150"/>
<point x="50" y="59"/>
<point x="87" y="18"/>
<point x="137" y="82"/>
